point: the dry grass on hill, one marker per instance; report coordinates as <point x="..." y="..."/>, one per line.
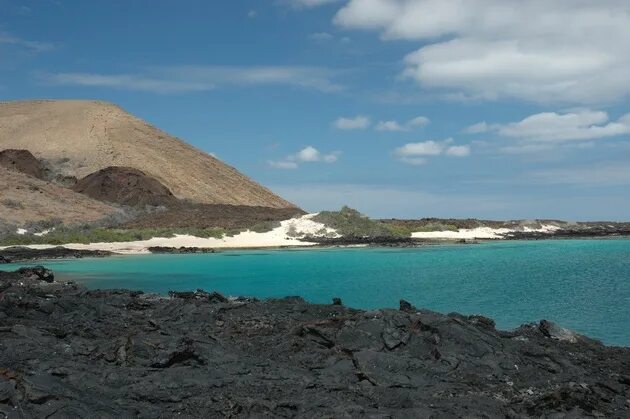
<point x="82" y="137"/>
<point x="27" y="199"/>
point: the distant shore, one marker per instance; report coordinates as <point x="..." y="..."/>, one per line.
<point x="307" y="231"/>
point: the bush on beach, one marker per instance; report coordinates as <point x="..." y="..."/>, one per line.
<point x="351" y="223"/>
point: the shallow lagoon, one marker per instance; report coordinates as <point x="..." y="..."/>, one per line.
<point x="581" y="284"/>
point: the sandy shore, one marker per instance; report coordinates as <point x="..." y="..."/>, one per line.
<point x="480" y="233"/>
<point x="286" y="235"/>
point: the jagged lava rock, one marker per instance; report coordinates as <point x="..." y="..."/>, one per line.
<point x="69" y="352"/>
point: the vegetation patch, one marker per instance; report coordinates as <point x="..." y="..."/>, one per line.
<point x="437" y="227"/>
<point x="351" y="223"/>
<point x="85" y="235"/>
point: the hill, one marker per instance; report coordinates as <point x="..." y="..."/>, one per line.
<point x="77" y="138"/>
<point x="125" y="186"/>
<point x="25" y="199"/>
<point x="22" y="161"/>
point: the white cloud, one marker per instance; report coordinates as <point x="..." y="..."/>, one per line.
<point x="426" y="148"/>
<point x="416" y="153"/>
<point x="283" y="164"/>
<point x="414" y="161"/>
<point x="129" y="82"/>
<point x="419" y="121"/>
<point x="477" y="128"/>
<point x="357" y="122"/>
<point x="303" y="4"/>
<point x="308" y="154"/>
<point x="458" y="151"/>
<point x="321" y="36"/>
<point x="544" y="51"/>
<point x="177" y="79"/>
<point x="552" y="127"/>
<point x="252" y="14"/>
<point x="390" y="126"/>
<point x="33" y="46"/>
<point x="395" y="126"/>
<point x="331" y="158"/>
<point x="578" y="125"/>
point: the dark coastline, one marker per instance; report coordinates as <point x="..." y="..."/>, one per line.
<point x="69" y="352"/>
<point x="18" y="254"/>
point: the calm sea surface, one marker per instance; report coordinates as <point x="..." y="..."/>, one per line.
<point x="581" y="284"/>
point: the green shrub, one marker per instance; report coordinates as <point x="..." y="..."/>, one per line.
<point x="436" y="227"/>
<point x="85" y="235"/>
<point x="264" y="226"/>
<point x="351" y="223"/>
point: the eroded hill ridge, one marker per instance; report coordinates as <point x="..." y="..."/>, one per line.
<point x="79" y="137"/>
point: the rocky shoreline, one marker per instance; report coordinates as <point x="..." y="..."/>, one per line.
<point x="22" y="254"/>
<point x="69" y="352"/>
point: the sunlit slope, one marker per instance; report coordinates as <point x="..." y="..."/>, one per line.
<point x="81" y="137"/>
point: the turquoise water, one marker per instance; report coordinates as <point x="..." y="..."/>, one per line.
<point x="581" y="284"/>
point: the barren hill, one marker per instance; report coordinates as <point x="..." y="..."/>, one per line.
<point x="125" y="186"/>
<point x="22" y="161"/>
<point x="82" y="137"/>
<point x="24" y="198"/>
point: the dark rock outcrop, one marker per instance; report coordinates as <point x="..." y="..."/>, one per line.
<point x="21" y="254"/>
<point x="69" y="352"/>
<point x="180" y="250"/>
<point x="22" y="161"/>
<point x="125" y="186"/>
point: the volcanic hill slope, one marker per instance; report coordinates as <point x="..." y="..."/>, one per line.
<point x="78" y="138"/>
<point x="125" y="186"/>
<point x="26" y="199"/>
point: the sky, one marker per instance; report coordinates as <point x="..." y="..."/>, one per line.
<point x="495" y="109"/>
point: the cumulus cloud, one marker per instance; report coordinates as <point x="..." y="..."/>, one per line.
<point x="308" y="154"/>
<point x="572" y="126"/>
<point x="426" y="148"/>
<point x="458" y="151"/>
<point x="178" y="79"/>
<point x="357" y="122"/>
<point x="303" y="4"/>
<point x="419" y="121"/>
<point x="478" y="128"/>
<point x="390" y="126"/>
<point x="560" y="51"/>
<point x="542" y="131"/>
<point x="395" y="126"/>
<point x="417" y="153"/>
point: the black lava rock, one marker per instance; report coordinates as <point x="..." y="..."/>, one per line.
<point x="69" y="352"/>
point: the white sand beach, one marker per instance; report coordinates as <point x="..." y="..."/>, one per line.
<point x="286" y="235"/>
<point x="481" y="233"/>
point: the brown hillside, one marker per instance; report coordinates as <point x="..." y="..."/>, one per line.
<point x="82" y="137"/>
<point x="24" y="199"/>
<point x="22" y="161"/>
<point x="125" y="186"/>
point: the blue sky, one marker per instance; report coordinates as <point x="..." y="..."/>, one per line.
<point x="401" y="108"/>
